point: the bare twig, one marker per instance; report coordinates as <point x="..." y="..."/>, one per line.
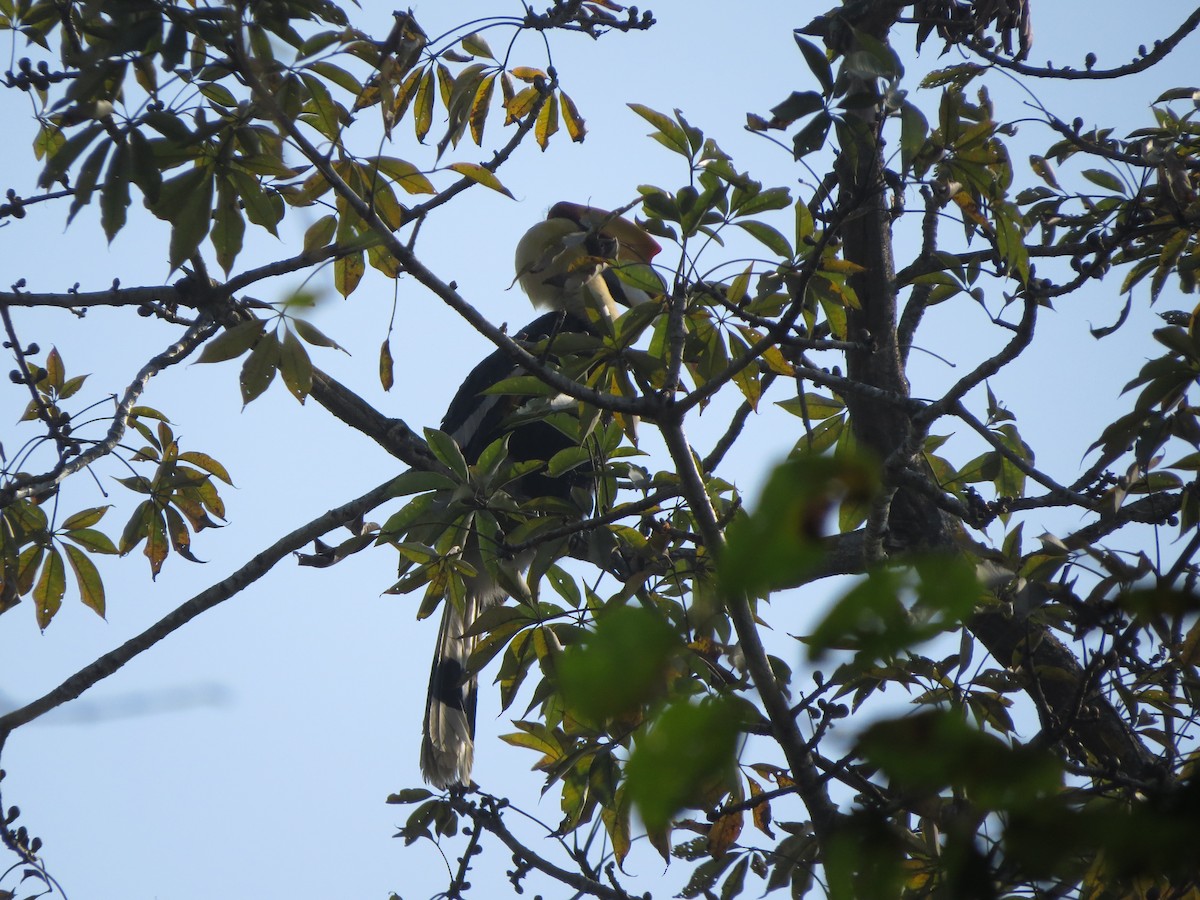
<point x="1159" y="53"/>
<point x="487" y="816"/>
<point x="989" y="367"/>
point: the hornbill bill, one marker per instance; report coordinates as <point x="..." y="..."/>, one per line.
<point x="564" y="263"/>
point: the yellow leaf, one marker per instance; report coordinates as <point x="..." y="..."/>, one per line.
<point x="571" y="118"/>
<point x="521" y="104"/>
<point x="423" y="110"/>
<point x="760" y="811"/>
<point x="527" y="73"/>
<point x="841" y="266"/>
<point x="724" y="832"/>
<point x="479" y="108"/>
<point x="480" y="175"/>
<point x="547" y="123"/>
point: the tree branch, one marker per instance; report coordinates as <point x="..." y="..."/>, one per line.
<point x="812" y="787"/>
<point x="989" y="367"/>
<point x="645" y="407"/>
<point x="195" y="336"/>
<point x="489" y="818"/>
<point x="1157" y="55"/>
<point x="249" y="573"/>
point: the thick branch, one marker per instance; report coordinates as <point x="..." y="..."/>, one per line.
<point x="393" y="435"/>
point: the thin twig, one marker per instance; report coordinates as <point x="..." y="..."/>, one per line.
<point x="192" y="338"/>
<point x="490" y="819"/>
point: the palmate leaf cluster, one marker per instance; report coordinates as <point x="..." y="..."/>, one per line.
<point x="144" y="101"/>
<point x="1049" y="690"/>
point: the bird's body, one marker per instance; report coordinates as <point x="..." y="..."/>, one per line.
<point x="475" y="420"/>
<point x="563" y="263"/>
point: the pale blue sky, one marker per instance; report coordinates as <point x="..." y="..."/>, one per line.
<point x="272" y="728"/>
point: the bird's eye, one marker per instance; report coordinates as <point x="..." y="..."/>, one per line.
<point x="602" y="245"/>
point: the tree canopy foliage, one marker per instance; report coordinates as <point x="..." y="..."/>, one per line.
<point x="1046" y="743"/>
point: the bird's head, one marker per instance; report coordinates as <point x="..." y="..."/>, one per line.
<point x="564" y="256"/>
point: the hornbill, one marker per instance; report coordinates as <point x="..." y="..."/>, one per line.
<point x="565" y="263"/>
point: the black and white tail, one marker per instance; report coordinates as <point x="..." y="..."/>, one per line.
<point x="448" y="742"/>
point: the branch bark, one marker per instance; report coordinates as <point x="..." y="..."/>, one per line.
<point x="916" y="522"/>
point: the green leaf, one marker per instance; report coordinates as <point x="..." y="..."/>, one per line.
<point x="320" y="111"/>
<point x="1104" y="179"/>
<point x="62" y="155"/>
<point x="423" y="107"/>
<point x="401" y="521"/>
<point x="521" y="385"/>
<point x="442" y="446"/>
<point x="207" y="463"/>
<point x="231" y="343"/>
<point x="157" y="546"/>
<point x="263" y="208"/>
<point x="258" y="371"/>
<point x="50" y="587"/>
<point x="414" y="481"/>
<point x="817" y="61"/>
<point x="295" y="366"/>
<point x="914" y="132"/>
<point x="310" y="334"/>
<point x="27" y="567"/>
<point x="687" y="751"/>
<point x="780" y="540"/>
<point x="812" y="136"/>
<point x="218" y="94"/>
<point x="765" y="201"/>
<point x="567" y="459"/>
<point x="798" y="105"/>
<point x="191" y="218"/>
<point x="87" y="577"/>
<point x="768" y="236"/>
<point x="622" y="665"/>
<point x="410" y="795"/>
<point x="930" y="750"/>
<point x="91" y="540"/>
<point x="85" y="181"/>
<point x="320" y="233"/>
<point x="229" y="228"/>
<point x="872" y="620"/>
<point x="670" y="134"/>
<point x="477" y="46"/>
<point x="85" y="518"/>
